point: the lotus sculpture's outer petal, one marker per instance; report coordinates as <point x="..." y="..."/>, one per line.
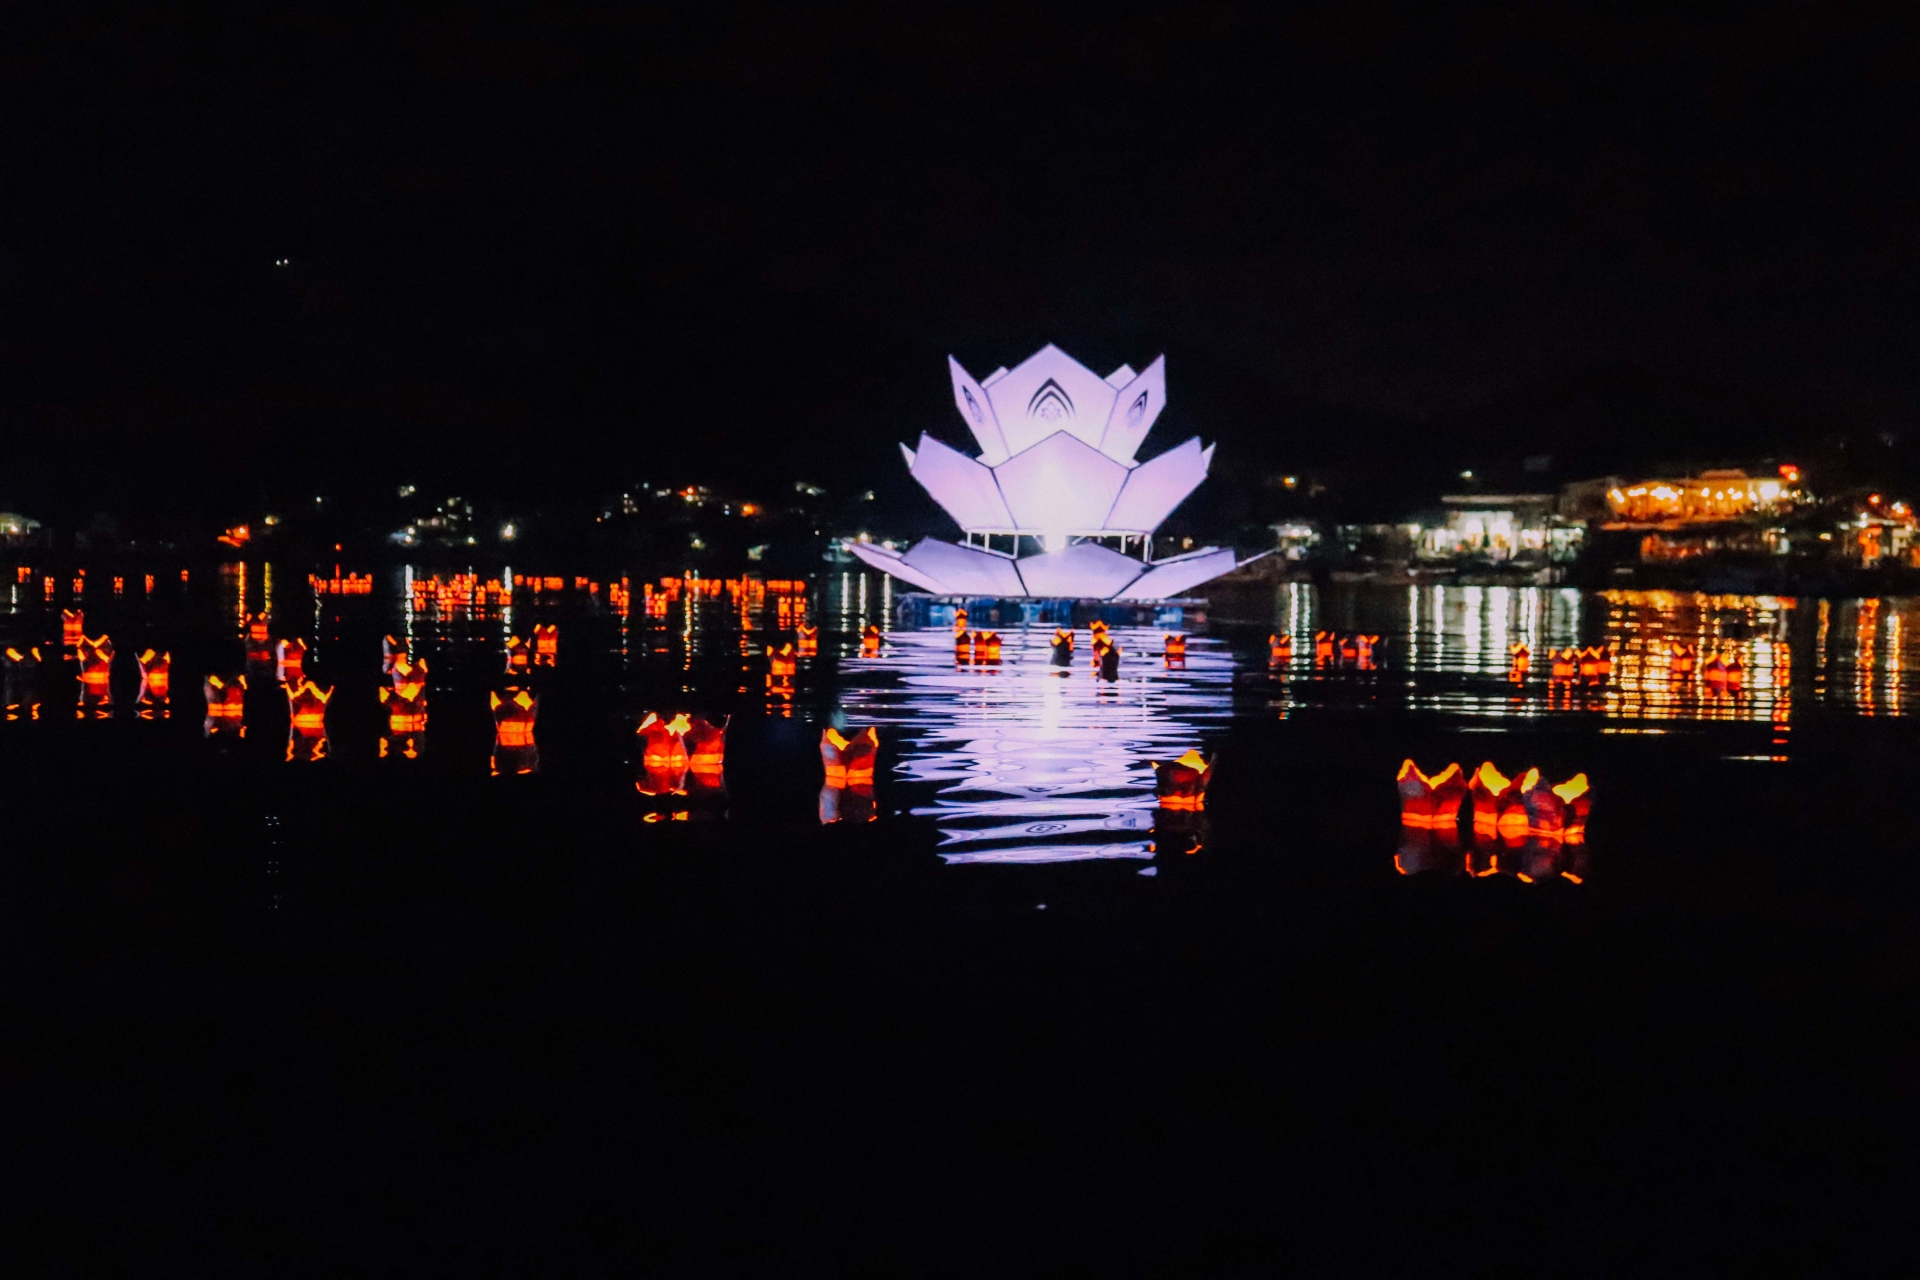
<point x="1135" y="410"/>
<point x="1085" y="571"/>
<point x="960" y="485"/>
<point x="887" y="560"/>
<point x="1171" y="577"/>
<point x="1061" y="483"/>
<point x="976" y="410"/>
<point x="1050" y="391"/>
<point x="1157" y="486"/>
<point x="964" y="570"/>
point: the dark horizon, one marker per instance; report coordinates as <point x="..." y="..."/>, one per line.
<point x="545" y="261"/>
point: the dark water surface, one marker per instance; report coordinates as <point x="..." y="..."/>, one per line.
<point x="376" y="1013"/>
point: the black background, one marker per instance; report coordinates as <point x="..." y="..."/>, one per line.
<point x="732" y="243"/>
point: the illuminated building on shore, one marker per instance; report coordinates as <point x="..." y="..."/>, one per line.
<point x="1055" y="506"/>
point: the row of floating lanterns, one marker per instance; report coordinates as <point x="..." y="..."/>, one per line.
<point x="1722" y="671"/>
<point x="1330" y="648"/>
<point x="1543" y="824"/>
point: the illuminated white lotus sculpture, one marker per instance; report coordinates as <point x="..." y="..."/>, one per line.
<point x="1056" y="465"/>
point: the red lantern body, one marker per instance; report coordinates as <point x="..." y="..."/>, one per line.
<point x="307" y="720"/>
<point x="1566" y="664"/>
<point x="808" y="640"/>
<point x="1279" y="650"/>
<point x="515" y="711"/>
<point x="1431" y="803"/>
<point x="870" y="640"/>
<point x="226" y="706"/>
<point x="96" y="677"/>
<point x="849" y="761"/>
<point x="1175" y="651"/>
<point x="780" y="662"/>
<point x="156" y="682"/>
<point x="546" y="644"/>
<point x="72" y="627"/>
<point x="1182" y="783"/>
<point x="519" y="655"/>
<point x="290" y="657"/>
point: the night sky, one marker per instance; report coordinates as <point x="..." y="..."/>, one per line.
<point x="734" y="243"/>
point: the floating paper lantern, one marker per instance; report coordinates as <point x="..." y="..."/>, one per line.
<point x="407" y="669"/>
<point x="849" y="760"/>
<point x="1098" y="627"/>
<point x="960" y="621"/>
<point x="1182" y="783"/>
<point x="406" y="705"/>
<point x="706" y="746"/>
<point x="1433" y="802"/>
<point x="519" y="655"/>
<point x="290" y="659"/>
<point x="1497" y="806"/>
<point x="665" y="742"/>
<point x="546" y="643"/>
<point x="96" y="677"/>
<point x="870" y="640"/>
<point x="1519" y="659"/>
<point x="391" y="650"/>
<point x="781" y="662"/>
<point x="156" y="678"/>
<point x="1175" y="650"/>
<point x="1596" y="663"/>
<point x="1680" y="659"/>
<point x="1279" y="650"/>
<point x="515" y="711"/>
<point x="1558" y="813"/>
<point x="1062" y="648"/>
<point x="226" y="705"/>
<point x="1565" y="664"/>
<point x="1724" y="672"/>
<point x="807" y="640"/>
<point x="257" y="629"/>
<point x="72" y="627"/>
<point x="307" y="720"/>
<point x="1322" y="648"/>
<point x="23" y="683"/>
<point x="1109" y="662"/>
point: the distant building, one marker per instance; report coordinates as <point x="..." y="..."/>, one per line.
<point x="1518" y="527"/>
<point x="18" y="530"/>
<point x="1709" y="497"/>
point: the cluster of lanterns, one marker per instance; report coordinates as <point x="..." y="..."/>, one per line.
<point x="1541" y="827"/>
<point x="1330" y="649"/>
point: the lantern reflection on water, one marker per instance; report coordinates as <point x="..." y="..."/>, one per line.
<point x="546" y="644"/>
<point x="155" y="683"/>
<point x="96" y="678"/>
<point x="514" y="712"/>
<point x="307" y="720"/>
<point x="23" y="683"/>
<point x="1021" y="766"/>
<point x="290" y="661"/>
<point x="226" y="706"/>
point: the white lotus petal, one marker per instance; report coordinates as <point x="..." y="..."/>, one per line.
<point x="977" y="411"/>
<point x="887" y="561"/>
<point x="1050" y="391"/>
<point x="1084" y="571"/>
<point x="1135" y="409"/>
<point x="964" y="570"/>
<point x="1061" y="483"/>
<point x="1122" y="376"/>
<point x="1157" y="486"/>
<point x="960" y="485"/>
<point x="1171" y="577"/>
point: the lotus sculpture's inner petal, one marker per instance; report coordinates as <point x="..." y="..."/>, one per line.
<point x="1050" y="391"/>
<point x="1135" y="410"/>
<point x="964" y="570"/>
<point x="960" y="485"/>
<point x="1085" y="570"/>
<point x="1061" y="484"/>
<point x="1171" y="577"/>
<point x="887" y="560"/>
<point x="1157" y="486"/>
<point x="976" y="410"/>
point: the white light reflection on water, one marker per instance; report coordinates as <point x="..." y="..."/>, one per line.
<point x="1028" y="762"/>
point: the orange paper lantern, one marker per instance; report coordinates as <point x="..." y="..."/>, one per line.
<point x="546" y="643"/>
<point x="808" y="640"/>
<point x="1279" y="650"/>
<point x="290" y="658"/>
<point x="960" y="621"/>
<point x="96" y="677"/>
<point x="226" y="705"/>
<point x="1182" y="783"/>
<point x="1432" y="803"/>
<point x="515" y="711"/>
<point x="849" y="760"/>
<point x="1062" y="655"/>
<point x="307" y="720"/>
<point x="72" y="627"/>
<point x="870" y="640"/>
<point x="780" y="662"/>
<point x="390" y="651"/>
<point x="156" y="676"/>
<point x="519" y="655"/>
<point x="1175" y="651"/>
<point x="1566" y="664"/>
